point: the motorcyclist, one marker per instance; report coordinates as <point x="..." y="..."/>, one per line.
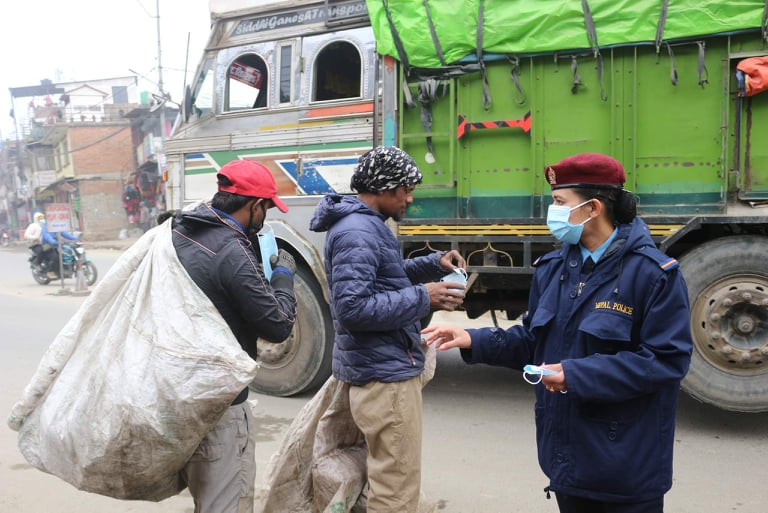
<point x="49" y="257"/>
<point x="33" y="233"/>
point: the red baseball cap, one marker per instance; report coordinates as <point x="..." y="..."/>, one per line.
<point x="586" y="170"/>
<point x="251" y="179"/>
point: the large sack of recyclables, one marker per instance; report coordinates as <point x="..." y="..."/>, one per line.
<point x="134" y="381"/>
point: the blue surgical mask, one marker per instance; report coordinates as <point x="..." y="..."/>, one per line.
<point x="558" y="223"/>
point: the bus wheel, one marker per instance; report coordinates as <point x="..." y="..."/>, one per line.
<point x="303" y="361"/>
<point x="728" y="289"/>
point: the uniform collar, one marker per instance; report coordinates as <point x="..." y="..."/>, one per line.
<point x="596" y="254"/>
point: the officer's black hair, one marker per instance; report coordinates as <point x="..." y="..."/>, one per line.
<point x="226" y="201"/>
<point x="620" y="204"/>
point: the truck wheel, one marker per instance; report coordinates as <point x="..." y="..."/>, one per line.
<point x="303" y="361"/>
<point x="728" y="289"/>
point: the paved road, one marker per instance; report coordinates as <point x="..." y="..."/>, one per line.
<point x="479" y="447"/>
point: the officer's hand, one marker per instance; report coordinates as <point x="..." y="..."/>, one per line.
<point x="555" y="382"/>
<point x="283" y="259"/>
<point x="446" y="336"/>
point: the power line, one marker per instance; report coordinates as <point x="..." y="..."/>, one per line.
<point x="94" y="143"/>
<point x="145" y="9"/>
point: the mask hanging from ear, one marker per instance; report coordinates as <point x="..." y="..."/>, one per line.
<point x="558" y="223"/>
<point x="251" y="230"/>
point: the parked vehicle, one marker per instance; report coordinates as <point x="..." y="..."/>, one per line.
<point x="72" y="259"/>
<point x="303" y="89"/>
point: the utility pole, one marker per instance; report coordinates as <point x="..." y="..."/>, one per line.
<point x="15" y="221"/>
<point x="161" y="151"/>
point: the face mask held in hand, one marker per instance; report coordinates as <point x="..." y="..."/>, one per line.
<point x="558" y="223"/>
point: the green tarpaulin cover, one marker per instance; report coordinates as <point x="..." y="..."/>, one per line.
<point x="541" y="26"/>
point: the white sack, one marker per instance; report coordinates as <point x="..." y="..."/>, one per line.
<point x="132" y="383"/>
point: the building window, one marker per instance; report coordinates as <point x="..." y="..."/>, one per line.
<point x="119" y="94"/>
<point x="285" y="73"/>
<point x="247" y="83"/>
<point x="65" y="152"/>
<point x="62" y="154"/>
<point x="45" y="160"/>
<point x="337" y="72"/>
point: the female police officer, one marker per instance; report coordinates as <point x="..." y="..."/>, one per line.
<point x="608" y="313"/>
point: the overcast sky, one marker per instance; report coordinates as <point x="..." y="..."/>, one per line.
<point x="78" y="40"/>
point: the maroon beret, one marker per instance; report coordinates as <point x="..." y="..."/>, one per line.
<point x="586" y="170"/>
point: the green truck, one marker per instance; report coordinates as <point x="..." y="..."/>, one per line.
<point x="484" y="95"/>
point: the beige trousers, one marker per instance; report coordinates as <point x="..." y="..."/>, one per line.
<point x="389" y="415"/>
<point x="222" y="471"/>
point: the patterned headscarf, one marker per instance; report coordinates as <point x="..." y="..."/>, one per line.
<point x="384" y="168"/>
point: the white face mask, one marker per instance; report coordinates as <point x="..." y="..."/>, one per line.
<point x="558" y="223"/>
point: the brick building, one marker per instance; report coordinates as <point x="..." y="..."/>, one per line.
<point x="84" y="150"/>
<point x="102" y="158"/>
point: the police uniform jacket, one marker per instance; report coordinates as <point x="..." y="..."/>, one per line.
<point x="623" y="337"/>
<point x="377" y="299"/>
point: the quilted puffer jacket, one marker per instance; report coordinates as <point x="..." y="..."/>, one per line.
<point x="376" y="296"/>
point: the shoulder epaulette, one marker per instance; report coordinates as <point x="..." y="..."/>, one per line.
<point x="665" y="262"/>
<point x="546" y="258"/>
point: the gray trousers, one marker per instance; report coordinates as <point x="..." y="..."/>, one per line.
<point x="221" y="473"/>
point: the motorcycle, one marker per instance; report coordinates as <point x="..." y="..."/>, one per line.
<point x="72" y="257"/>
<point x="5" y="238"/>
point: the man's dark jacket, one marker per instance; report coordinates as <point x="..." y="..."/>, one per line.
<point x="221" y="261"/>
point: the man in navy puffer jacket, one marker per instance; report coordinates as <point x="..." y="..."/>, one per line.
<point x="377" y="300"/>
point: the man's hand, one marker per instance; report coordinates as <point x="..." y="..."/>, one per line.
<point x="444" y="295"/>
<point x="283" y="259"/>
<point x="446" y="336"/>
<point x="451" y="260"/>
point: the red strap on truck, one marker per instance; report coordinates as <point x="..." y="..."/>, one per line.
<point x="465" y="126"/>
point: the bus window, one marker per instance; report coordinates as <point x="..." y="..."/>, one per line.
<point x="337" y="72"/>
<point x="247" y="83"/>
<point x="285" y="73"/>
<point x="201" y="99"/>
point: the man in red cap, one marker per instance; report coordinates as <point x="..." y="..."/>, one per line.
<point x="606" y="340"/>
<point x="214" y="244"/>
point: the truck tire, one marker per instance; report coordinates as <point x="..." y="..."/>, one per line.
<point x="303" y="361"/>
<point x="728" y="290"/>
